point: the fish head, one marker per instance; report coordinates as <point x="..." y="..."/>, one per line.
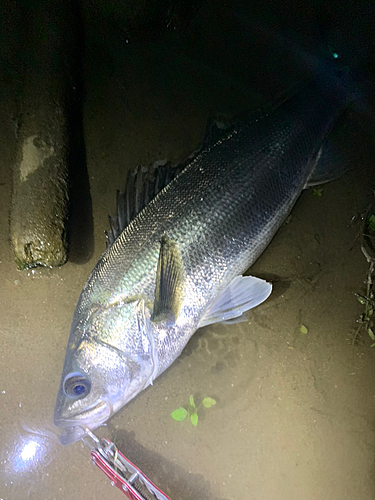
<point x="108" y="362"/>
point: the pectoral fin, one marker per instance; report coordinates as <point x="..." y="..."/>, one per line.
<point x="168" y="291"/>
<point x="242" y="293"/>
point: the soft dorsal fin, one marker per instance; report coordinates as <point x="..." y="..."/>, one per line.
<point x="242" y="293"/>
<point x="330" y="164"/>
<point x="168" y="291"/>
<point x="142" y="185"/>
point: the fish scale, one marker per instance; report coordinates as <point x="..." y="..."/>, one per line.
<point x="220" y="212"/>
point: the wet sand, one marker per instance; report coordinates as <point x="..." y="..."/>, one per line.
<point x="294" y="414"/>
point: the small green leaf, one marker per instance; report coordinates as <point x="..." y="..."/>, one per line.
<point x="371" y="222"/>
<point x="179" y="414"/>
<point x="208" y="402"/>
<point x="371" y="333"/>
<point x="194" y="419"/>
<point x="191" y="401"/>
<point x="303" y="330"/>
<point x="372" y="345"/>
<point x="318" y="191"/>
<point x="361" y="300"/>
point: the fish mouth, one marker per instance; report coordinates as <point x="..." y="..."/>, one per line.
<point x="92" y="417"/>
<point x="72" y="434"/>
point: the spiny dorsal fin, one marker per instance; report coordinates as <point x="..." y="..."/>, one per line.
<point x="168" y="292"/>
<point x="142" y="185"/>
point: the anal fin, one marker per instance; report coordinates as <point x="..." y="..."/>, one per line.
<point x="242" y="293"/>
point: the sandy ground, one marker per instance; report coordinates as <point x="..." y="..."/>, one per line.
<point x="294" y="417"/>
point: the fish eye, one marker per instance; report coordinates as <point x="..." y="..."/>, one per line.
<point x="76" y="385"/>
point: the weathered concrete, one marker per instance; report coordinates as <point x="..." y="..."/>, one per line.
<point x="40" y="193"/>
<point x="40" y="180"/>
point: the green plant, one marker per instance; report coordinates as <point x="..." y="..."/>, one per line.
<point x="367" y="318"/>
<point x="317" y="191"/>
<point x="371" y="223"/>
<point x="192" y="410"/>
<point x="303" y="329"/>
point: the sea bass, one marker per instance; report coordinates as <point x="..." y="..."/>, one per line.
<point x="178" y="264"/>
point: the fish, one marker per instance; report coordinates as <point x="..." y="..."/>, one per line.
<point x="178" y="251"/>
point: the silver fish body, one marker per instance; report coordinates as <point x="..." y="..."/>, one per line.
<point x="217" y="216"/>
